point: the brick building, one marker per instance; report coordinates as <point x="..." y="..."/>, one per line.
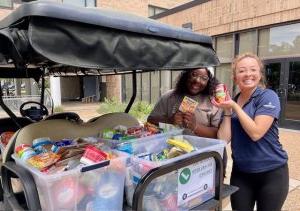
<point x="269" y="28"/>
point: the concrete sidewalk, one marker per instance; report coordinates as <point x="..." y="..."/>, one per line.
<point x="290" y="140"/>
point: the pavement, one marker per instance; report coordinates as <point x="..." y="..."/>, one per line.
<point x="290" y="140"/>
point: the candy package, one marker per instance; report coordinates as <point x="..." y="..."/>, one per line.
<point x="188" y="105"/>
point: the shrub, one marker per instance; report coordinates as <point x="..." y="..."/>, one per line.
<point x="58" y="109"/>
<point x="110" y="106"/>
<point x="139" y="109"/>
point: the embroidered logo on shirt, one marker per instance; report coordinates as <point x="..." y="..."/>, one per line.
<point x="269" y="105"/>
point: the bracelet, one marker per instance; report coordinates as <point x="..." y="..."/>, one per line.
<point x="229" y="115"/>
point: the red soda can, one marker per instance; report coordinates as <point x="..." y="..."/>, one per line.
<point x="220" y="93"/>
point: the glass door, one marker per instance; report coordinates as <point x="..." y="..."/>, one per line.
<point x="283" y="76"/>
<point x="292" y="86"/>
<point x="274" y="70"/>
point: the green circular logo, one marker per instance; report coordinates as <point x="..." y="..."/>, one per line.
<point x="185" y="176"/>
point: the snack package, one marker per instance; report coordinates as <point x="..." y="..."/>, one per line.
<point x="5" y="137"/>
<point x="181" y="144"/>
<point x="174" y="152"/>
<point x="188" y="105"/>
<point x="43" y="160"/>
<point x="93" y="155"/>
<point x="153" y="129"/>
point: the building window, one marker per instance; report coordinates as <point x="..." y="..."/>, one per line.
<point x="6" y="4"/>
<point x="279" y="41"/>
<point x="225" y="52"/>
<point x="248" y="42"/>
<point x="153" y="10"/>
<point x="188" y="26"/>
<point x="225" y="48"/>
<point x="224" y="75"/>
<point x="82" y="3"/>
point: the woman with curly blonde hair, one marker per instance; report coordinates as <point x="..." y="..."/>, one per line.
<point x="250" y="122"/>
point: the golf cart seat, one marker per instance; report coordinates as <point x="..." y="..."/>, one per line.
<point x="127" y="119"/>
<point x="7" y="124"/>
<point x="58" y="129"/>
<point x="71" y="116"/>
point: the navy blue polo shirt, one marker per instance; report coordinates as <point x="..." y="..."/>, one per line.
<point x="267" y="153"/>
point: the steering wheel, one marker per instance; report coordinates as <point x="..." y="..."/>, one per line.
<point x="73" y="117"/>
<point x="34" y="112"/>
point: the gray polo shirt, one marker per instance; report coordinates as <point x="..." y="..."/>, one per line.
<point x="206" y="113"/>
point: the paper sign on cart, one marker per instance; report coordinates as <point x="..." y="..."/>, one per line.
<point x="196" y="181"/>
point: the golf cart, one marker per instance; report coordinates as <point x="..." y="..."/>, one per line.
<point x="40" y="39"/>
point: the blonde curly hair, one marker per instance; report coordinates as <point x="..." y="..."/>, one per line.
<point x="238" y="58"/>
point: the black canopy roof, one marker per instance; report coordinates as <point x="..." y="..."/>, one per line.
<point x="96" y="41"/>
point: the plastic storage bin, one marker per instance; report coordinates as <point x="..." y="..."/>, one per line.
<point x="98" y="189"/>
<point x="182" y="189"/>
<point x="119" y="143"/>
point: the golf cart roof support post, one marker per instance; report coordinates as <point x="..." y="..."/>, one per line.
<point x="133" y="92"/>
<point x="7" y="110"/>
<point x="43" y="89"/>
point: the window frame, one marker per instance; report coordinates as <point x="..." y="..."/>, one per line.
<point x="188" y="26"/>
<point x="155" y="8"/>
<point x="8" y="7"/>
<point x="85" y="3"/>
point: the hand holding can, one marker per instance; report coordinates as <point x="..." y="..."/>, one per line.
<point x="220" y="93"/>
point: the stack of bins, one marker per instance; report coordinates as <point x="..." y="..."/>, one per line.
<point x="179" y="190"/>
<point x="97" y="189"/>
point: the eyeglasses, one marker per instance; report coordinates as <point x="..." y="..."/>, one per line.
<point x="194" y="76"/>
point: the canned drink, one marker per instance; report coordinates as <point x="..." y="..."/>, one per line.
<point x="220" y="93"/>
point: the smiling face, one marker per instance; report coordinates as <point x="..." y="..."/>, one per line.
<point x="197" y="81"/>
<point x="247" y="74"/>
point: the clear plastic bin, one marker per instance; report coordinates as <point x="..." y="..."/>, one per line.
<point x="119" y="143"/>
<point x="168" y="191"/>
<point x="98" y="189"/>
